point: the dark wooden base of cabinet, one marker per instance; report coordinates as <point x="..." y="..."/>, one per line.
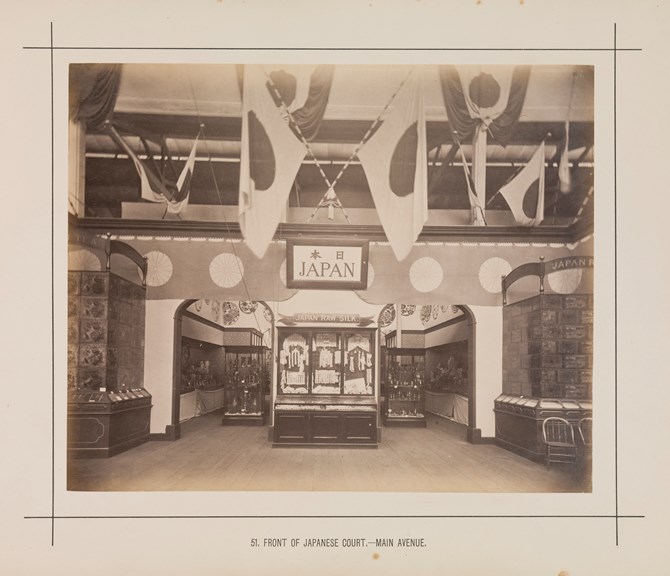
<point x="405" y="422"/>
<point x="335" y="428"/>
<point x="243" y="420"/>
<point x="519" y="428"/>
<point x="100" y="434"/>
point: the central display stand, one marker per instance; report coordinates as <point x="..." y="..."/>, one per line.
<point x="326" y="391"/>
<point x="331" y="422"/>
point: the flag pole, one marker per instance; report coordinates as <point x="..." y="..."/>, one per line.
<point x="468" y="176"/>
<point x="302" y="138"/>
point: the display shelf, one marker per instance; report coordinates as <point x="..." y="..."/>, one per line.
<point x="244" y="384"/>
<point x="104" y="423"/>
<point x="326" y="388"/>
<point x="404" y="387"/>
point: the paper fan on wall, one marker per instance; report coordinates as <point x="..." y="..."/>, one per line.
<point x="226" y="270"/>
<point x="426" y="274"/>
<point x="491" y="273"/>
<point x="231" y="313"/>
<point x="159" y="268"/>
<point x="407" y="309"/>
<point x="83" y="260"/>
<point x="387" y="316"/>
<point x="425" y="314"/>
<point x="216" y="311"/>
<point x="248" y="307"/>
<point x="565" y="281"/>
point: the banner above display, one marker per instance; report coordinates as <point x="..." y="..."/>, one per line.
<point x="320" y="317"/>
<point x="327" y="264"/>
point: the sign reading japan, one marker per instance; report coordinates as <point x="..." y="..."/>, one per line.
<point x="327" y="264"/>
<point x="568" y="263"/>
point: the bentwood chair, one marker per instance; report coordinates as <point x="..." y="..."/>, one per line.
<point x="585" y="427"/>
<point x="559" y="439"/>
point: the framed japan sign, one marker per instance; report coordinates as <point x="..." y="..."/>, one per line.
<point x="327" y="264"/>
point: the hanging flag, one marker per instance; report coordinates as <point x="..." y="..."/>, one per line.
<point x="525" y="192"/>
<point x="270" y="158"/>
<point x="151" y="187"/>
<point x="493" y="95"/>
<point x="180" y="199"/>
<point x="564" y="176"/>
<point x="395" y="163"/>
<point x="305" y="91"/>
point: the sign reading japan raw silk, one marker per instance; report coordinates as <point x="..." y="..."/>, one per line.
<point x="327" y="264"/>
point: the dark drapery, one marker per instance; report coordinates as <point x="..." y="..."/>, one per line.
<point x="93" y="92"/>
<point x="309" y="117"/>
<point x="457" y="111"/>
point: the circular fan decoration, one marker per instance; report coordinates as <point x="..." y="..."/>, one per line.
<point x="159" y="268"/>
<point x="371" y="275"/>
<point x="282" y="272"/>
<point x="226" y="270"/>
<point x="83" y="260"/>
<point x="387" y="316"/>
<point x="436" y="311"/>
<point x="426" y="274"/>
<point x="407" y="309"/>
<point x="267" y="314"/>
<point x="231" y="313"/>
<point x="565" y="281"/>
<point x="248" y="307"/>
<point x="216" y="310"/>
<point x="425" y="314"/>
<point x="491" y="273"/>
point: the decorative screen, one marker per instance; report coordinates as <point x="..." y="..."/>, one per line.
<point x="326" y="363"/>
<point x="293" y="363"/>
<point x="358" y="362"/>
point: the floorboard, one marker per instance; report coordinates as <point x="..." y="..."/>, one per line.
<point x="212" y="457"/>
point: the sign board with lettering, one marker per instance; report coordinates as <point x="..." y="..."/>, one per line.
<point x="327" y="264"/>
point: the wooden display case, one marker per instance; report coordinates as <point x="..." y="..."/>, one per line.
<point x="326" y="389"/>
<point x="405" y="375"/>
<point x="244" y="385"/>
<point x="102" y="424"/>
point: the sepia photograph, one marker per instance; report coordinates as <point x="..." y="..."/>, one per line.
<point x="272" y="267"/>
<point x="334" y="288"/>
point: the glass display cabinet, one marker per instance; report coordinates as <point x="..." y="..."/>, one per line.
<point x="244" y="385"/>
<point x="405" y="376"/>
<point x="325" y="387"/>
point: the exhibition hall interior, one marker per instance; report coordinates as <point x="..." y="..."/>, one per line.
<point x="372" y="278"/>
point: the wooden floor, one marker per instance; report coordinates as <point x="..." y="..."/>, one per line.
<point x="211" y="457"/>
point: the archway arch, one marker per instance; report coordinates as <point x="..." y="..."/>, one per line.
<point x="474" y="435"/>
<point x="174" y="432"/>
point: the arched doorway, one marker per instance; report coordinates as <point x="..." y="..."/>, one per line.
<point x="174" y="431"/>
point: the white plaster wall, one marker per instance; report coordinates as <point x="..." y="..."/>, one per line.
<point x="158" y="350"/>
<point x="453" y="333"/>
<point x="199" y="331"/>
<point x="488" y="364"/>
